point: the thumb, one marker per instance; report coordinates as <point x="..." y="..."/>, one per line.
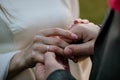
<point x="51" y="63"/>
<point x="50" y="57"/>
<point x="39" y="71"/>
<point x="84" y="49"/>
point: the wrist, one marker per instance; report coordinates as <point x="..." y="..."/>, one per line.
<point x="16" y="65"/>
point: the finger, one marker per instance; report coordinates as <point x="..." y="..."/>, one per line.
<point x="51" y="63"/>
<point x="56" y="49"/>
<point x="37" y="57"/>
<point x="76" y="21"/>
<point x="57" y="32"/>
<point x="39" y="68"/>
<point x="51" y="41"/>
<point x="66" y="40"/>
<point x="50" y="58"/>
<point x="84" y="21"/>
<point x="39" y="71"/>
<point x="84" y="49"/>
<point x="41" y="48"/>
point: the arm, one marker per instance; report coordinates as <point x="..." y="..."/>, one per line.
<point x="4" y="64"/>
<point x="6" y="48"/>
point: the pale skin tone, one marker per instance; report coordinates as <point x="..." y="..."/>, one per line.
<point x="42" y="71"/>
<point x="34" y="53"/>
<point x="86" y="32"/>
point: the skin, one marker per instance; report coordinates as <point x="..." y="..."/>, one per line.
<point x="51" y="64"/>
<point x="87" y="33"/>
<point x="61" y="43"/>
<point x="35" y="52"/>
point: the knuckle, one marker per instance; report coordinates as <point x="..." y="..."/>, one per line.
<point x="37" y="38"/>
<point x="35" y="47"/>
<point x="33" y="54"/>
<point x="55" y="30"/>
<point x="58" y="41"/>
<point x="54" y="48"/>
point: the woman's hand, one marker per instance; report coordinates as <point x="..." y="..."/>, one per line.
<point x="47" y="40"/>
<point x="34" y="53"/>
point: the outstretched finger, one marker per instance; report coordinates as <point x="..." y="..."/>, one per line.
<point x="84" y="49"/>
<point x="57" y="32"/>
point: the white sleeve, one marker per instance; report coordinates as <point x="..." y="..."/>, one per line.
<point x="4" y="64"/>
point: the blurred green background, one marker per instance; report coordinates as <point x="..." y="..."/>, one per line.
<point x="93" y="10"/>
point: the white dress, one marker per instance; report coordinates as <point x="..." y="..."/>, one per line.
<point x="26" y="17"/>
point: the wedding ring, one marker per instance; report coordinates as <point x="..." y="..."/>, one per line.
<point x="48" y="48"/>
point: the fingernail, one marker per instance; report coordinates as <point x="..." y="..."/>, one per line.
<point x="74" y="36"/>
<point x="76" y="21"/>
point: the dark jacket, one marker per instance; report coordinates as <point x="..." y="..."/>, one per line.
<point x="106" y="58"/>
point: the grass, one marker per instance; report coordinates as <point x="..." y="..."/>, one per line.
<point x="94" y="10"/>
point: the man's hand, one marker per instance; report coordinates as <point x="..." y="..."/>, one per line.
<point x="42" y="71"/>
<point x="45" y="40"/>
<point x="87" y="34"/>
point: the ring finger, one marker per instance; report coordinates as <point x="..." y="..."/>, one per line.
<point x="42" y="48"/>
<point x="51" y="41"/>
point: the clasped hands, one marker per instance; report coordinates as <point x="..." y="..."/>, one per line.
<point x="82" y="33"/>
<point x="50" y="42"/>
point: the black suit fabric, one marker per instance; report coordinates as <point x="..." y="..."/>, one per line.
<point x="106" y="59"/>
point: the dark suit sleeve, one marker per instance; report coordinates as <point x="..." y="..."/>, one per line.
<point x="60" y="75"/>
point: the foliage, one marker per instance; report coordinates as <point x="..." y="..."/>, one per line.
<point x="94" y="10"/>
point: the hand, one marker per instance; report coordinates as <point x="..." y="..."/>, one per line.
<point x="42" y="71"/>
<point x="87" y="34"/>
<point x="42" y="40"/>
<point x="34" y="53"/>
<point x="39" y="71"/>
<point x="77" y="21"/>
